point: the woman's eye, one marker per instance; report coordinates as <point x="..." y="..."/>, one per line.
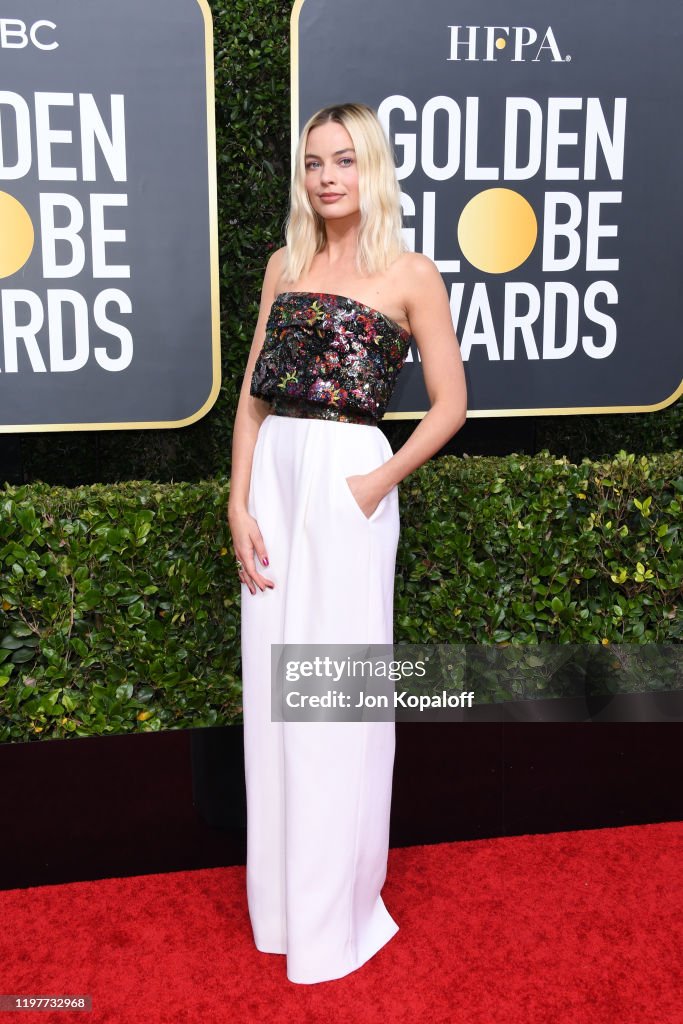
<point x="346" y="160"/>
<point x="311" y="166"/>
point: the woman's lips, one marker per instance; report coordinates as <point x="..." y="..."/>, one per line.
<point x="330" y="198"/>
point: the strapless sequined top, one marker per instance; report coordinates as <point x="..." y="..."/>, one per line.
<point x="327" y="356"/>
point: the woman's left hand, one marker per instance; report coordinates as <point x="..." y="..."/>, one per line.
<point x="365" y="493"/>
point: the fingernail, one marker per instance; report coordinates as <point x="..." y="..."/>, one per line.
<point x="265" y="561"/>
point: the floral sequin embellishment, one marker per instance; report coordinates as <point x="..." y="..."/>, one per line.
<point x="327" y="355"/>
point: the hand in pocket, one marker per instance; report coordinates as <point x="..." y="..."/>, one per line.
<point x="363" y="493"/>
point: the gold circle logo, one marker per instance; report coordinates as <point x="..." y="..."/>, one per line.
<point x="497" y="230"/>
<point x="16" y="235"/>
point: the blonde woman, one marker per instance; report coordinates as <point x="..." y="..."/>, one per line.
<point x="314" y="517"/>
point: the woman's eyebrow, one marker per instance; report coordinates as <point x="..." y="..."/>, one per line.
<point x="337" y="153"/>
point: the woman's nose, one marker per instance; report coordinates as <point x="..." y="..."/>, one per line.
<point x="327" y="174"/>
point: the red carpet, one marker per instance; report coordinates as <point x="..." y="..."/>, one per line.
<point x="568" y="928"/>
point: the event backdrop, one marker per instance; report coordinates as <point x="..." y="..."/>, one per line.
<point x="538" y="148"/>
<point x="108" y="237"/>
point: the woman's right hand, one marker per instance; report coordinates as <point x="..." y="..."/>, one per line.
<point x="247" y="541"/>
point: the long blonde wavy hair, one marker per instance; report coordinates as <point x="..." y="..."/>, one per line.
<point x="380" y="240"/>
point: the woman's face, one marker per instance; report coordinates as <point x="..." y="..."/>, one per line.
<point x="331" y="172"/>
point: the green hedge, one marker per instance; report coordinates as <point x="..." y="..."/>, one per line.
<point x="119" y="606"/>
<point x="535" y="549"/>
<point x="119" y="610"/>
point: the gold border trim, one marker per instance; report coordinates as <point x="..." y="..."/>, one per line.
<point x="569" y="411"/>
<point x="294" y="78"/>
<point x="474" y="413"/>
<point x="213" y="260"/>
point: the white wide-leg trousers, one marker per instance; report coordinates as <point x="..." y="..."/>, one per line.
<point x="318" y="793"/>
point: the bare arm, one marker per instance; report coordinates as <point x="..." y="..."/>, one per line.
<point x="250" y="414"/>
<point x="431" y="325"/>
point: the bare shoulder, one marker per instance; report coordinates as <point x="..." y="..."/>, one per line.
<point x="416" y="263"/>
<point x="415" y="271"/>
<point x="278" y="257"/>
<point x="276" y="263"/>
